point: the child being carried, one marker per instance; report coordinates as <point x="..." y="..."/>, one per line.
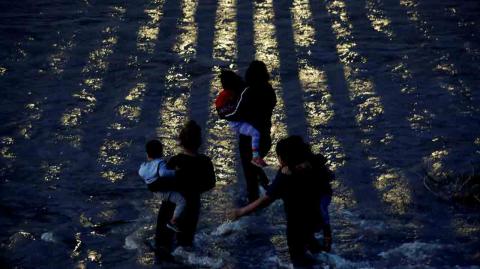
<point x="227" y="103"/>
<point x="155" y="168"/>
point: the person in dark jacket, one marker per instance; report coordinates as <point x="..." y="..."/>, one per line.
<point x="256" y="107"/>
<point x="303" y="183"/>
<point x="194" y="175"/>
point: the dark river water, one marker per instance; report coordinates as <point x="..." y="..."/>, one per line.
<point x="387" y="90"/>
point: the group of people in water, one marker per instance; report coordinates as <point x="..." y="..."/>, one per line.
<point x="302" y="180"/>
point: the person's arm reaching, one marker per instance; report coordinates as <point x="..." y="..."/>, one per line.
<point x="261" y="202"/>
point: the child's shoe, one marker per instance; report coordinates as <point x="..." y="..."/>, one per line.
<point x="173" y="227"/>
<point x="259" y="162"/>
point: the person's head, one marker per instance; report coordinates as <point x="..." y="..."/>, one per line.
<point x="292" y="151"/>
<point x="257" y="73"/>
<point x="154" y="149"/>
<point x="230" y="80"/>
<point x="190" y="136"/>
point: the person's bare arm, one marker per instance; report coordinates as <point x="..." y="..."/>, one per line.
<point x="253" y="206"/>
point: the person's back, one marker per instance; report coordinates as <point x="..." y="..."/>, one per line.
<point x="196" y="174"/>
<point x="257" y="99"/>
<point x="229" y="101"/>
<point x="257" y="109"/>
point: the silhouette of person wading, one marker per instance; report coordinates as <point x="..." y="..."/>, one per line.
<point x="255" y="107"/>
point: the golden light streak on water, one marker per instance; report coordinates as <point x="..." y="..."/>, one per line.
<point x="51" y="172"/>
<point x="318" y="105"/>
<point x="94" y="256"/>
<point x="78" y="244"/>
<point x="395" y="190"/>
<point x="369" y="108"/>
<point x="173" y="112"/>
<point x="112" y="156"/>
<point x="58" y="59"/>
<point x="378" y="19"/>
<point x="34" y="113"/>
<point x="148" y="33"/>
<point x="185" y="45"/>
<point x="3" y="70"/>
<point x="436" y="163"/>
<point x="220" y="138"/>
<point x="317" y="98"/>
<point x="225" y="39"/>
<point x="93" y="72"/>
<point x="266" y="50"/>
<point x="19" y="237"/>
<point x="362" y="92"/>
<point x="464" y="227"/>
<point x="5" y="147"/>
<point x="303" y="30"/>
<point x="445" y="68"/>
<point x="415" y="17"/>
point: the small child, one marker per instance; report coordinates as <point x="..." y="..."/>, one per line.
<point x="227" y="103"/>
<point x="156" y="169"/>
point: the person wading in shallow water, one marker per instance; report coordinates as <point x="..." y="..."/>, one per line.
<point x="255" y="107"/>
<point x="303" y="183"/>
<point x="194" y="175"/>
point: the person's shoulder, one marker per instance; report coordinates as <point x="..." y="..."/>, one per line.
<point x="204" y="158"/>
<point x="318" y="159"/>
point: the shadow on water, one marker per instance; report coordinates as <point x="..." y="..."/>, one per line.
<point x="457" y="44"/>
<point x="18" y="19"/>
<point x="26" y="49"/>
<point x="344" y="117"/>
<point x="406" y="150"/>
<point x="199" y="102"/>
<point x="289" y="76"/>
<point x="59" y="100"/>
<point x="454" y="117"/>
<point x="49" y="199"/>
<point x="31" y="152"/>
<point x="357" y="172"/>
<point x="162" y="59"/>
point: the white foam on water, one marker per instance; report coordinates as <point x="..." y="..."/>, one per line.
<point x="278" y="262"/>
<point x="48" y="237"/>
<point x="131" y="242"/>
<point x="192" y="258"/>
<point x="229" y="227"/>
<point x="375" y="227"/>
<point x="415" y="251"/>
<point x="336" y="261"/>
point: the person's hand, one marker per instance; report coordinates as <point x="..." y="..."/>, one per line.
<point x="235" y="214"/>
<point x="303" y="166"/>
<point x="285" y="170"/>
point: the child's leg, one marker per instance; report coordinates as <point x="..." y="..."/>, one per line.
<point x="179" y="201"/>
<point x="249" y="130"/>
